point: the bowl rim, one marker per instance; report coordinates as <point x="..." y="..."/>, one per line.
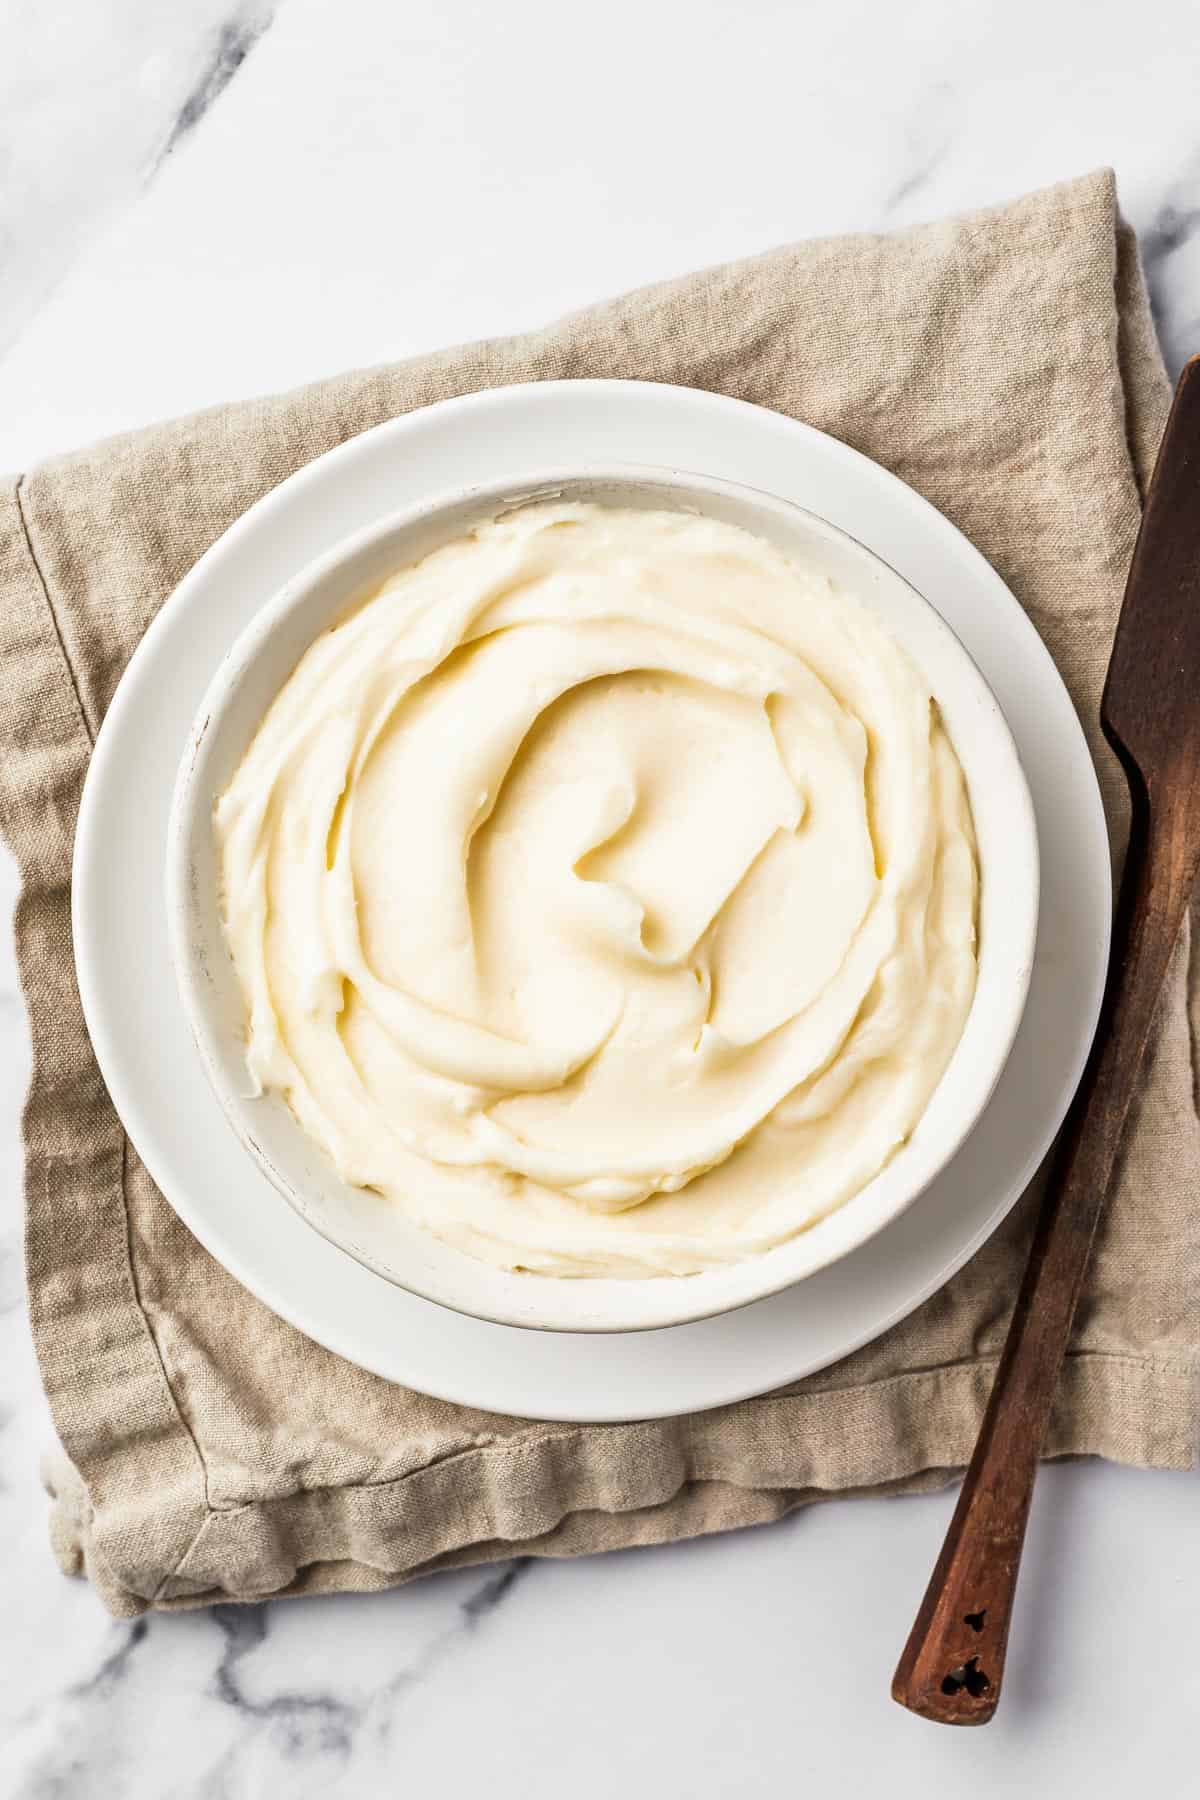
<point x="490" y="498"/>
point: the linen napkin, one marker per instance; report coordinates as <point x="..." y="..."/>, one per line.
<point x="1004" y="364"/>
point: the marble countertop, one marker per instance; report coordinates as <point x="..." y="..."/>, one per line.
<point x="212" y="200"/>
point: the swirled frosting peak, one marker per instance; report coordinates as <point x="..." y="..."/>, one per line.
<point x="603" y="893"/>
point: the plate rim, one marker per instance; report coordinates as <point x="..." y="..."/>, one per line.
<point x="261" y="519"/>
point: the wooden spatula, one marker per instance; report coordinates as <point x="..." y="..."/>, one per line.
<point x="953" y="1663"/>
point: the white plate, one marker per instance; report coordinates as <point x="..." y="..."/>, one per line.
<point x="142" y="1040"/>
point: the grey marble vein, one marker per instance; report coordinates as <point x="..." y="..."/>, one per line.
<point x="113" y="1667"/>
<point x="1176" y="218"/>
<point x="76" y="1767"/>
<point x="305" y="1724"/>
<point x="122" y="1642"/>
<point x="1170" y="247"/>
<point x="302" y="1723"/>
<point x="1172" y="226"/>
<point x="926" y="144"/>
<point x="235" y="39"/>
<point x="915" y="180"/>
<point x="89" y="111"/>
<point x="495" y="1589"/>
<point x="318" y="1728"/>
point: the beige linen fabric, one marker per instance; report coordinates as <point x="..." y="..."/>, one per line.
<point x="1004" y="364"/>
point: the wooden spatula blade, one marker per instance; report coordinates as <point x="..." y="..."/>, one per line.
<point x="1151" y="703"/>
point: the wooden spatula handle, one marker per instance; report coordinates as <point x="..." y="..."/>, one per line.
<point x="953" y="1663"/>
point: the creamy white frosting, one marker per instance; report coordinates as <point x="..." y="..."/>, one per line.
<point x="603" y="893"/>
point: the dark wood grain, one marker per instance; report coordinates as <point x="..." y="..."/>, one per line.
<point x="953" y="1664"/>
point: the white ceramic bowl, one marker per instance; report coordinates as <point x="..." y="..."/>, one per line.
<point x="360" y="1223"/>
